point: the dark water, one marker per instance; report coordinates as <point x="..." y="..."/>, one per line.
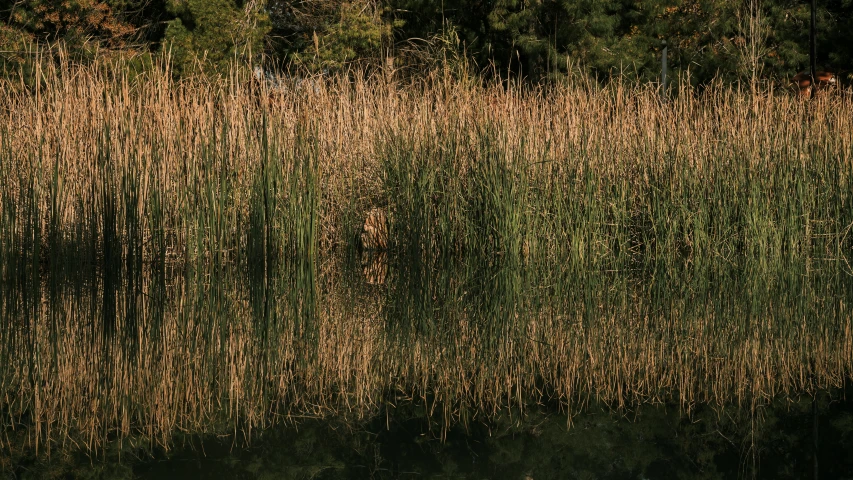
<point x="650" y="442"/>
<point x="365" y="369"/>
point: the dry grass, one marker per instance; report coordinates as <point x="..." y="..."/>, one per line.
<point x="597" y="175"/>
<point x="129" y="179"/>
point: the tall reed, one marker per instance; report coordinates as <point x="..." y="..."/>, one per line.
<point x="604" y="177"/>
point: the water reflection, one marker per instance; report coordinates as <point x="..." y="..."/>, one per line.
<point x="95" y="358"/>
<point x="654" y="442"/>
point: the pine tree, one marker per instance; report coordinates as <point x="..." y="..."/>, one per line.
<point x="207" y="35"/>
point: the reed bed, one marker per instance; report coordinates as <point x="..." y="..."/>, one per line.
<point x="96" y="166"/>
<point x="172" y="250"/>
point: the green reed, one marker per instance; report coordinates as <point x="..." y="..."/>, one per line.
<point x="610" y="178"/>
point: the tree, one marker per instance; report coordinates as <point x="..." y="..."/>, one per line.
<point x="539" y="38"/>
<point x="75" y="22"/>
<point x="207" y="35"/>
<point x="329" y="34"/>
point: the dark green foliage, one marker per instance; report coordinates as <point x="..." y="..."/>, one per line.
<point x="536" y="40"/>
<point x="210" y="34"/>
<point x="710" y="38"/>
<point x="328" y="35"/>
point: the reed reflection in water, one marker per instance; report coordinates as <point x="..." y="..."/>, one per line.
<point x="90" y="355"/>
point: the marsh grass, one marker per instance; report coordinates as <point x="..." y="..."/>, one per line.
<point x="99" y="167"/>
<point x="170" y="249"/>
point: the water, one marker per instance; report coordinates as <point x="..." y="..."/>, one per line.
<point x="650" y="442"/>
<point x="396" y="368"/>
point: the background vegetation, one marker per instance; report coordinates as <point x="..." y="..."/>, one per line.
<point x="535" y="39"/>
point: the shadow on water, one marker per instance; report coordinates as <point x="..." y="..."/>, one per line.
<point x="648" y="442"/>
<point x="465" y="370"/>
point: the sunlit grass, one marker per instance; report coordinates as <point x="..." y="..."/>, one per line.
<point x="171" y="251"/>
<point x="602" y="177"/>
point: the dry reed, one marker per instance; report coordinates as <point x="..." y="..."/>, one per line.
<point x="131" y="179"/>
<point x="596" y="176"/>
